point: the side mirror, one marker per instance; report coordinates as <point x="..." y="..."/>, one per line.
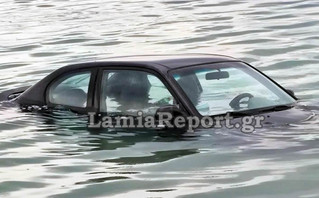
<point x="165" y="117"/>
<point x="291" y="92"/>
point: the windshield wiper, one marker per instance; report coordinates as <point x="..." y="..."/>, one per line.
<point x="251" y="112"/>
<point x="240" y="113"/>
<point x="276" y="108"/>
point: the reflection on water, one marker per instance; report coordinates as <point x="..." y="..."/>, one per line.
<point x="55" y="155"/>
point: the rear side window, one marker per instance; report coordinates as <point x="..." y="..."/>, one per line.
<point x="71" y="90"/>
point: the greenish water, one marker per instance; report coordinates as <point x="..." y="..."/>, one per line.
<point x="56" y="156"/>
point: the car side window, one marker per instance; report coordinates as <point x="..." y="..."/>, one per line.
<point x="71" y="90"/>
<point x="125" y="92"/>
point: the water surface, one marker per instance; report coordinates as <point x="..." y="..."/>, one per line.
<point x="54" y="155"/>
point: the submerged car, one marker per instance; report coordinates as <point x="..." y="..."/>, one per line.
<point x="192" y="84"/>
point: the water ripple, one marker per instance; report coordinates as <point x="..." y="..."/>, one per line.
<point x="55" y="155"/>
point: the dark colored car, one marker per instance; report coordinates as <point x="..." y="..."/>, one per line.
<point x="193" y="84"/>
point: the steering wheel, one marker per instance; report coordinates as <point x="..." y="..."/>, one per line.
<point x="235" y="103"/>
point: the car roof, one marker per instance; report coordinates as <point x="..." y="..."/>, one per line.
<point x="173" y="61"/>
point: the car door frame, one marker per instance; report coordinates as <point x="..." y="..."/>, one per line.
<point x="133" y="67"/>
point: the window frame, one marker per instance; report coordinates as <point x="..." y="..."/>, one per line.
<point x="160" y="76"/>
<point x="90" y="94"/>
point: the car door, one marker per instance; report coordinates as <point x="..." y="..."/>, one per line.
<point x="129" y="91"/>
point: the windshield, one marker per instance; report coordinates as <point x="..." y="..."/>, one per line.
<point x="229" y="87"/>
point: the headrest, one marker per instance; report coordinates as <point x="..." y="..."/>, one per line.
<point x="190" y="87"/>
<point x="70" y="96"/>
<point x="128" y="83"/>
